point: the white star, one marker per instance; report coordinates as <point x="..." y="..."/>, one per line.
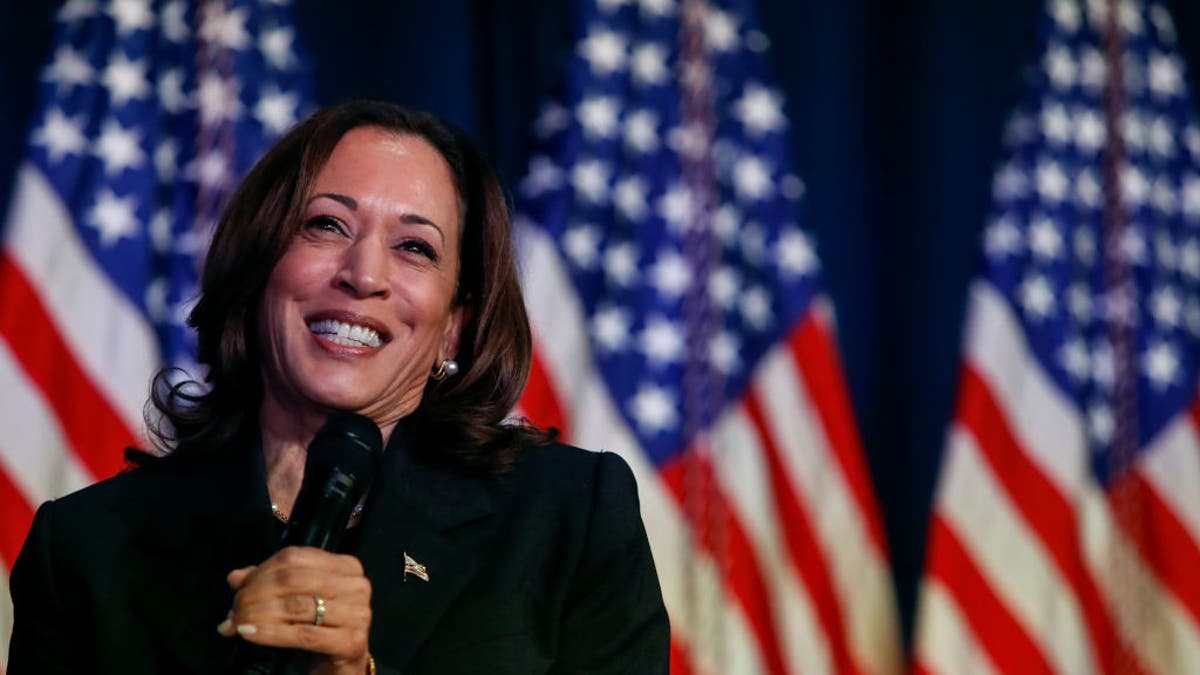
<point x="653" y="408"/>
<point x="720" y="31"/>
<point x="1135" y="189"/>
<point x="131" y="16"/>
<point x="621" y="263"/>
<point x="1056" y="124"/>
<point x="1079" y="302"/>
<point x="1045" y="241"/>
<point x="1001" y="238"/>
<point x="724" y="351"/>
<point x="751" y="178"/>
<point x="726" y="223"/>
<point x="1104" y="365"/>
<point x="1074" y="358"/>
<point x="1189" y="196"/>
<point x="629" y="196"/>
<point x="1189" y="259"/>
<point x="125" y="79"/>
<point x="1162" y="23"/>
<point x="677" y="207"/>
<point x="724" y="286"/>
<point x="582" y="244"/>
<point x="69" y="69"/>
<point x="1192" y="317"/>
<point x="689" y="140"/>
<point x="1160" y="364"/>
<point x="753" y="243"/>
<point x="1162" y="138"/>
<point x="1100" y="424"/>
<point x="119" y="148"/>
<point x="1132" y="246"/>
<point x="604" y="50"/>
<point x="1089" y="131"/>
<point x="1061" y="67"/>
<point x="544" y="175"/>
<point x="1166" y="307"/>
<point x="590" y="180"/>
<point x="210" y="169"/>
<point x="1087" y="189"/>
<point x="794" y="254"/>
<point x="1165" y="250"/>
<point x="791" y="186"/>
<point x="218" y="98"/>
<point x="1010" y="183"/>
<point x="166" y="158"/>
<point x="1093" y="70"/>
<point x="649" y="64"/>
<point x="657" y="8"/>
<point x="225" y="28"/>
<point x="1052" y="184"/>
<point x="755" y="306"/>
<point x="670" y="275"/>
<point x="156" y="300"/>
<point x="1118" y="305"/>
<point x="113" y="217"/>
<point x="610" y="328"/>
<point x="1164" y="196"/>
<point x="1133" y="130"/>
<point x="275" y="110"/>
<point x="1066" y="15"/>
<point x="1037" y="297"/>
<point x="1085" y="245"/>
<point x="661" y="341"/>
<point x="641" y="131"/>
<point x="170" y="91"/>
<point x="74" y="10"/>
<point x="598" y="116"/>
<point x="160" y="231"/>
<point x="276" y="46"/>
<point x="760" y="110"/>
<point x="173" y="21"/>
<point x="60" y="135"/>
<point x="552" y="119"/>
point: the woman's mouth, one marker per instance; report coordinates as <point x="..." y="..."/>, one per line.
<point x="348" y="334"/>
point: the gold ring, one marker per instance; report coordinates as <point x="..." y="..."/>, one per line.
<point x="320" y="617"/>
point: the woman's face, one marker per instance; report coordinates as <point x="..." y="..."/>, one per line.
<point x="361" y="305"/>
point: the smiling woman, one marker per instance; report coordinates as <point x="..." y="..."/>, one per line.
<point x="365" y="264"/>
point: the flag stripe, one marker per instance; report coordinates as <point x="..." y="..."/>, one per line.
<point x="945" y="645"/>
<point x="95" y="428"/>
<point x="540" y="402"/>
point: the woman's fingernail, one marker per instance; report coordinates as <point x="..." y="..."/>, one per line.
<point x="247" y="629"/>
<point x="225" y="627"/>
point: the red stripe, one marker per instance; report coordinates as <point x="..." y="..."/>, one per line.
<point x="819" y="364"/>
<point x="802" y="543"/>
<point x="1164" y="542"/>
<point x="718" y="531"/>
<point x="1009" y="647"/>
<point x="16" y="517"/>
<point x="680" y="661"/>
<point x="1045" y="510"/>
<point x="91" y="426"/>
<point x="540" y="401"/>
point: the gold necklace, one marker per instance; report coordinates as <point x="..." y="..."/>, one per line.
<point x="283" y="517"/>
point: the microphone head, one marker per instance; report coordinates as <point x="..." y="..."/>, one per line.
<point x="350" y="442"/>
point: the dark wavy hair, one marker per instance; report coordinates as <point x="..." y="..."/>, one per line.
<point x="466" y="412"/>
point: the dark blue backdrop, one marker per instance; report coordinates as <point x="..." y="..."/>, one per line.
<point x="896" y="112"/>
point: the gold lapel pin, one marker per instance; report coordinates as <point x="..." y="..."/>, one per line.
<point x="414" y="568"/>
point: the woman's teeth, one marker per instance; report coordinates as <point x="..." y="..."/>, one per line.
<point x="348" y="334"/>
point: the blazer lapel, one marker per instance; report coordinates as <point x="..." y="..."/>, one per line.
<point x="207" y="522"/>
<point x="438" y="519"/>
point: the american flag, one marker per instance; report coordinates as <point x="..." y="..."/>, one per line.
<point x="679" y="321"/>
<point x="148" y="112"/>
<point x="1066" y="530"/>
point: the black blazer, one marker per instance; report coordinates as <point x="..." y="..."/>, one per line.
<point x="546" y="570"/>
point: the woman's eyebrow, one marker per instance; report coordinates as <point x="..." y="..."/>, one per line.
<point x="348" y="202"/>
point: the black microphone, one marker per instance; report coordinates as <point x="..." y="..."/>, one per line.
<point x="342" y="461"/>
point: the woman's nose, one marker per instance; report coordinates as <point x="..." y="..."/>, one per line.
<point x="364" y="269"/>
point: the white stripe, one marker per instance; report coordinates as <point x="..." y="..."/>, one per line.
<point x="704" y="617"/>
<point x="6" y="615"/>
<point x="1011" y="557"/>
<point x="860" y="574"/>
<point x="1171" y="465"/>
<point x="33" y="450"/>
<point x="110" y="339"/>
<point x="744" y="477"/>
<point x="943" y="643"/>
<point x="1148" y="617"/>
<point x="1043" y="420"/>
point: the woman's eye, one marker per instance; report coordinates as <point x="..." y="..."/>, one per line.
<point x="325" y="224"/>
<point x="419" y="247"/>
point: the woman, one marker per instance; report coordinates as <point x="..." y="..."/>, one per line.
<point x="364" y="264"/>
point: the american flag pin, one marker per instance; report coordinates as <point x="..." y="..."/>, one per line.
<point x="414" y="568"/>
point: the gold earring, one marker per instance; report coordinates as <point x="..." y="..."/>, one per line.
<point x="447" y="368"/>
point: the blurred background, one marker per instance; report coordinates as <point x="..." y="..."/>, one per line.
<point x="896" y="112"/>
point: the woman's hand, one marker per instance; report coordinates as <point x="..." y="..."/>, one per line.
<point x="276" y="606"/>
